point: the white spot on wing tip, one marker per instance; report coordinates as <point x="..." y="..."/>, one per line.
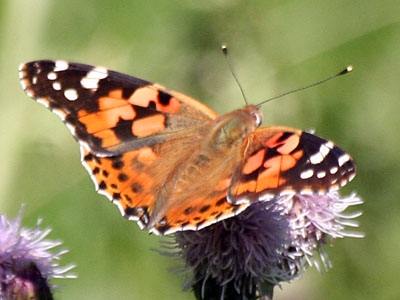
<point x="60" y="113"/>
<point x="306" y="174"/>
<point x="343" y="182"/>
<point x="333" y="170"/>
<point x="334" y="187"/>
<point x="71" y="128"/>
<point x="329" y="144"/>
<point x="343" y="159"/>
<point x="23" y="84"/>
<point x="316" y="158"/>
<point x="30" y="94"/>
<point x="51" y="76"/>
<point x="71" y="94"/>
<point x="61" y="65"/>
<point x="91" y="80"/>
<point x="351" y="177"/>
<point x="21" y="67"/>
<point x="45" y="102"/>
<point x="101" y="72"/>
<point x="56" y="86"/>
<point x="323" y="151"/>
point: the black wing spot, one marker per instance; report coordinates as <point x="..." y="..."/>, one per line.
<point x="235" y="208"/>
<point x="129" y="211"/>
<point x="102" y="185"/>
<point x="200" y="223"/>
<point x="127" y="198"/>
<point x="136" y="187"/>
<point x="122" y="177"/>
<point x="123" y="129"/>
<point x="220" y="202"/>
<point x="188" y="210"/>
<point x="164" y="98"/>
<point x="284" y="136"/>
<point x="185" y="224"/>
<point x="118" y="164"/>
<point x="88" y="157"/>
<point x="205" y="208"/>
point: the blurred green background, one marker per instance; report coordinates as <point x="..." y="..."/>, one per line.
<point x="275" y="46"/>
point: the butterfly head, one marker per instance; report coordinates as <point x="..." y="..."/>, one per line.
<point x="255" y="113"/>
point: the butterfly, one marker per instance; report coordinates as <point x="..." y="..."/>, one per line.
<point x="170" y="162"/>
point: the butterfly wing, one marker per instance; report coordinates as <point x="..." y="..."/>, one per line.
<point x="133" y="133"/>
<point x="132" y="181"/>
<point x="110" y="113"/>
<point x="281" y="160"/>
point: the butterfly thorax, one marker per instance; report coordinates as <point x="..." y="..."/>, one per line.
<point x="208" y="167"/>
<point x="233" y="128"/>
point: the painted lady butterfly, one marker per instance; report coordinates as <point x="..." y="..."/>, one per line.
<point x="168" y="161"/>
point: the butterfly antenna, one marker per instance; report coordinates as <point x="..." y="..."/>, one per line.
<point x="343" y="72"/>
<point x="224" y="49"/>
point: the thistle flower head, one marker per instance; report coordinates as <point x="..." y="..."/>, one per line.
<point x="26" y="263"/>
<point x="245" y="256"/>
<point x="314" y="220"/>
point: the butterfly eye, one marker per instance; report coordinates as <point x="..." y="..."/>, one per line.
<point x="258" y="117"/>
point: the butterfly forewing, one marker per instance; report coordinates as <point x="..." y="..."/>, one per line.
<point x="108" y="112"/>
<point x="284" y="160"/>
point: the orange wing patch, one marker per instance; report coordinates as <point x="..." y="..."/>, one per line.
<point x="270" y="155"/>
<point x="119" y="117"/>
<point x="148" y="125"/>
<point x="254" y="162"/>
<point x="144" y="96"/>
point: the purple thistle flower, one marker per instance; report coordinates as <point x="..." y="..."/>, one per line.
<point x="245" y="256"/>
<point x="26" y="264"/>
<point x="315" y="219"/>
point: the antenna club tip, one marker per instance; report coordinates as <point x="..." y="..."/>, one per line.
<point x="345" y="71"/>
<point x="224" y="48"/>
<point x="349" y="68"/>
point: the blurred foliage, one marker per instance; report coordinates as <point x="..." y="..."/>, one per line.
<point x="275" y="46"/>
